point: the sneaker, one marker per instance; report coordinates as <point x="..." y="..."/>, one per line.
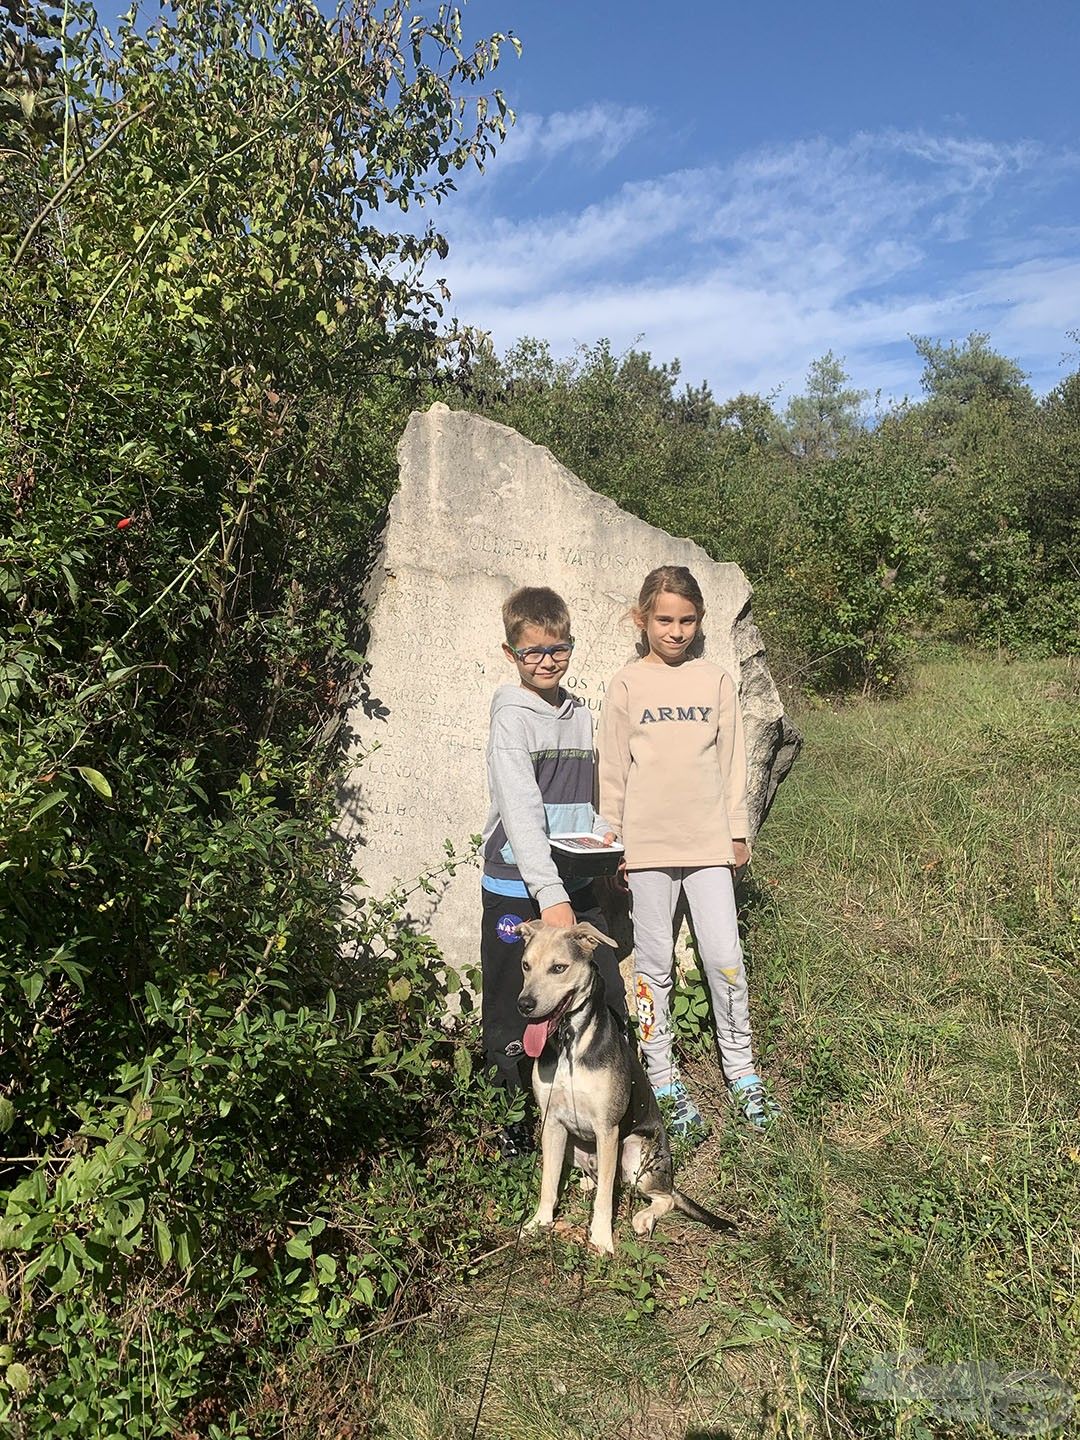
<point x="753" y="1102"/>
<point x="683" y="1118"/>
<point x="515" y="1140"/>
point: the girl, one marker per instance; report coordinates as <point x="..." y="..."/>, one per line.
<point x="673" y="785"/>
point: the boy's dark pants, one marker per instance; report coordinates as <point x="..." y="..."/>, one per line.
<point x="500" y="960"/>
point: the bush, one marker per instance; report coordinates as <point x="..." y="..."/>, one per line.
<point x="951" y="519"/>
<point x="207" y="349"/>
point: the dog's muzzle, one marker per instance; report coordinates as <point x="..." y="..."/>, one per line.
<point x="538" y="1032"/>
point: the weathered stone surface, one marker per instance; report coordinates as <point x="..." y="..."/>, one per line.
<point x="480" y="511"/>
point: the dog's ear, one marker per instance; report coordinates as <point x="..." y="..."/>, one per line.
<point x="528" y="928"/>
<point x="588" y="936"/>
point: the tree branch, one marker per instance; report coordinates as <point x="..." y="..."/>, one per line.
<point x="76" y="174"/>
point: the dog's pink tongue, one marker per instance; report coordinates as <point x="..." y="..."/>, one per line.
<point x="535" y="1038"/>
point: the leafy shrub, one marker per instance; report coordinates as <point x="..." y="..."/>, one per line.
<point x="867" y="529"/>
<point x="207" y="348"/>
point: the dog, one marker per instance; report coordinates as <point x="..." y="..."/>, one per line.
<point x="590" y="1084"/>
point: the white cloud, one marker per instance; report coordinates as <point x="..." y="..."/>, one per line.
<point x="746" y="271"/>
<point x="597" y="132"/>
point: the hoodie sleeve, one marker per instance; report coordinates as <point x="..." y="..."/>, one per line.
<point x="614" y="754"/>
<point x="517" y="798"/>
<point x="731" y="749"/>
<point x="601" y="826"/>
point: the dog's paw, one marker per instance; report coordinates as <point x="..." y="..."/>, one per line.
<point x="602" y="1242"/>
<point x="644" y="1223"/>
<point x="538" y="1222"/>
<point x="586" y="1184"/>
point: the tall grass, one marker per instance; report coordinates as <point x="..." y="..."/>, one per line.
<point x="916" y="957"/>
<point x="912" y="932"/>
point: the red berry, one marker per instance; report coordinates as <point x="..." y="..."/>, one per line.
<point x="123" y="524"/>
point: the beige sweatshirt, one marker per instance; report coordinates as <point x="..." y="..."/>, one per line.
<point x="673" y="764"/>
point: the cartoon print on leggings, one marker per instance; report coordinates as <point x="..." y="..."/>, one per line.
<point x="646" y="1008"/>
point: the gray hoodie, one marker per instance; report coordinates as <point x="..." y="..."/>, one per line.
<point x="542" y="778"/>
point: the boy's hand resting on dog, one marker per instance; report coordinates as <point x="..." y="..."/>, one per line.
<point x="560" y="915"/>
<point x="742" y="853"/>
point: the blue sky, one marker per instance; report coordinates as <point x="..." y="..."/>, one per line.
<point x="746" y="186"/>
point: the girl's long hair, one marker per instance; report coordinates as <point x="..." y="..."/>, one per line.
<point x="676" y="580"/>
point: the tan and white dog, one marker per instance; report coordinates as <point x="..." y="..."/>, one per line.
<point x="590" y="1085"/>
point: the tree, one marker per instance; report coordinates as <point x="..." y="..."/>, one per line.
<point x="618" y="421"/>
<point x="955" y="375"/>
<point x="1053" y="499"/>
<point x="206" y="343"/>
<point x="749" y="421"/>
<point x="821" y="421"/>
<point x="210" y="334"/>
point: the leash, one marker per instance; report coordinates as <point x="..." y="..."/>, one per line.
<point x="506" y="1288"/>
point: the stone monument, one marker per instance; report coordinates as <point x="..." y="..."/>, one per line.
<point x="480" y="511"/>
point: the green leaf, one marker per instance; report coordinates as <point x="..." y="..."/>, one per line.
<point x="96" y="780"/>
<point x="69" y="1278"/>
<point x="75" y="974"/>
<point x="133" y="1218"/>
<point x="298" y="1247"/>
<point x="183" y="1250"/>
<point x="18" y="1378"/>
<point x="48" y="803"/>
<point x="74" y="1246"/>
<point x="163" y="1241"/>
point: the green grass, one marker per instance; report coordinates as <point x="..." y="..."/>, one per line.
<point x="912" y="930"/>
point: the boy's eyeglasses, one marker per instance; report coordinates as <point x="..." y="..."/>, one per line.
<point x="532" y="655"/>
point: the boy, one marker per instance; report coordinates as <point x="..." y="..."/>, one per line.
<point x="541" y="777"/>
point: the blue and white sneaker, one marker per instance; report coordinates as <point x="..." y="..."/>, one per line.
<point x="682" y="1118"/>
<point x="753" y="1102"/>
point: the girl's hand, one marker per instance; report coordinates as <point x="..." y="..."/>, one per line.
<point x="742" y="853"/>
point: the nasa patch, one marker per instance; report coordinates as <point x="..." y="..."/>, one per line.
<point x="505" y="927"/>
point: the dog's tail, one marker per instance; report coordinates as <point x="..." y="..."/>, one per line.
<point x="698" y="1212"/>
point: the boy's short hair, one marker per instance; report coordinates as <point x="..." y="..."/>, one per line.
<point x="535" y="605"/>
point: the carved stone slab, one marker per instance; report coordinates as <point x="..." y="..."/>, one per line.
<point x="480" y="511"/>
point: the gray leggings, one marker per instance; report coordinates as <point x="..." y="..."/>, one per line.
<point x="710" y="895"/>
